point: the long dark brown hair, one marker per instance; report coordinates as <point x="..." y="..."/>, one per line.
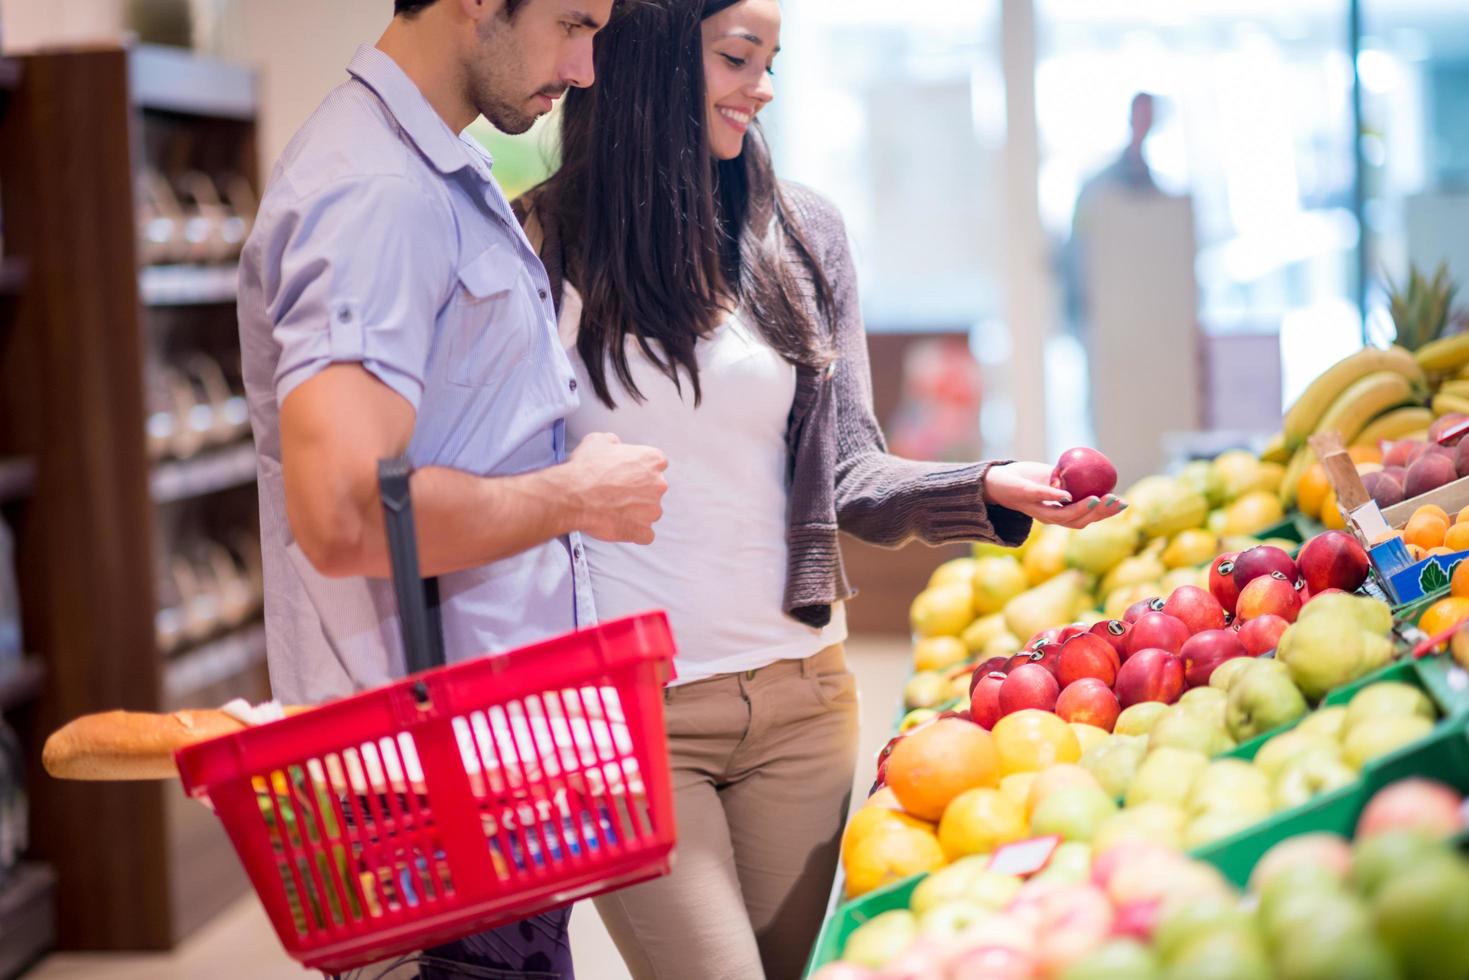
<point x="660" y="238"/>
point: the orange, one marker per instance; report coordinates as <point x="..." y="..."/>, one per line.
<point x="1440" y="550"/>
<point x="1459" y="517"/>
<point x="876" y="819"/>
<point x="1032" y="740"/>
<point x="888" y="855"/>
<point x="1443" y="614"/>
<point x="1054" y="778"/>
<point x="1426" y="529"/>
<point x="1312" y="490"/>
<point x="980" y="820"/>
<point x="1434" y="509"/>
<point x="1458" y="538"/>
<point x="1459" y="584"/>
<point x="936" y="763"/>
<point x="1331" y="514"/>
<point x="939" y="652"/>
<point x="1365" y="454"/>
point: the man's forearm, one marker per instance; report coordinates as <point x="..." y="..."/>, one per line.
<point x="465" y="521"/>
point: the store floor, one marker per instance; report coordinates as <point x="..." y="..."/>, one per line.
<point x="239" y="945"/>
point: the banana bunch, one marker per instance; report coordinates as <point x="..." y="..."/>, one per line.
<point x="1351" y="394"/>
<point x="1400" y="423"/>
<point x="1447" y="355"/>
<point x="1451" y="398"/>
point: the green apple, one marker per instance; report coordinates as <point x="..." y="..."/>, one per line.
<point x="1165" y="776"/>
<point x="1377" y="737"/>
<point x="1260" y="701"/>
<point x="1225" y="674"/>
<point x="951" y="918"/>
<point x="1325" y="721"/>
<point x="1153" y="823"/>
<point x="1073" y="812"/>
<point x="1140" y="718"/>
<point x="880" y="939"/>
<point x="1180" y="728"/>
<point x="1115" y="761"/>
<point x="1422" y="914"/>
<point x="1378" y="859"/>
<point x="1230" y="786"/>
<point x="1323" y="653"/>
<point x="1182" y="922"/>
<point x="1388" y="699"/>
<point x="1214" y="825"/>
<point x="1368" y="614"/>
<point x="1283" y="749"/>
<point x="968" y="879"/>
<point x="1118" y="959"/>
<point x="1224" y="954"/>
<point x="1308" y="776"/>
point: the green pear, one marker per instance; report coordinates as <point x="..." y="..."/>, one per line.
<point x="1423" y="917"/>
<point x="948" y="920"/>
<point x="1140" y="718"/>
<point x="1283" y="749"/>
<point x="1262" y="700"/>
<point x="1230" y="786"/>
<point x="1180" y="923"/>
<point x="1377" y="737"/>
<point x="1224" y="954"/>
<point x="1180" y="728"/>
<point x="1073" y="813"/>
<point x="1165" y="776"/>
<point x="1208" y="703"/>
<point x="1048" y="604"/>
<point x="1387" y="699"/>
<point x="1070" y="864"/>
<point x="1324" y="653"/>
<point x="1098" y="548"/>
<point x="1114" y="762"/>
<point x="1153" y="823"/>
<point x="1309" y="775"/>
<point x="1225" y="674"/>
<point x="1214" y="825"/>
<point x="968" y="879"/>
<point x="1325" y="721"/>
<point x="1369" y="614"/>
<point x="1380" y="858"/>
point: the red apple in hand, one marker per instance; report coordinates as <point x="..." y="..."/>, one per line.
<point x="1157" y="630"/>
<point x="1262" y="634"/>
<point x="1089" y="701"/>
<point x="1207" y="650"/>
<point x="1262" y="560"/>
<point x="1114" y="631"/>
<point x="1272" y="595"/>
<point x="1197" y="609"/>
<point x="1333" y="560"/>
<point x="1087" y="655"/>
<point x="984" y="700"/>
<point x="1084" y="473"/>
<point x="1141" y="608"/>
<point x="1221" y="580"/>
<point x="1150" y="675"/>
<point x="1028" y="686"/>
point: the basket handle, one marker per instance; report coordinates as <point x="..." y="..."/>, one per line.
<point x="418" y="607"/>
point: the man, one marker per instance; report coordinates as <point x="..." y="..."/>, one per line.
<point x="390" y="303"/>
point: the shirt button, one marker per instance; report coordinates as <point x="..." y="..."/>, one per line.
<point x="576" y="552"/>
<point x="344" y="314"/>
<point x="542" y="292"/>
<point x="572" y="384"/>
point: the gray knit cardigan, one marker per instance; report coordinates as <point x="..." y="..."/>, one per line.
<point x="842" y="477"/>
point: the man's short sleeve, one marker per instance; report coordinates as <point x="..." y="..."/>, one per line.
<point x="357" y="272"/>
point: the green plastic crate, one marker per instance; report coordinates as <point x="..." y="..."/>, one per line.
<point x="1443" y="755"/>
<point x="844" y="921"/>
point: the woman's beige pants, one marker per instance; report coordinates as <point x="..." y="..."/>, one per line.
<point x="762" y="771"/>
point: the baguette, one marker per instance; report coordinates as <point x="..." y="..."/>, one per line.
<point x="121" y="745"/>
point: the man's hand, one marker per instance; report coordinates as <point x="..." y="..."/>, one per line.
<point x="1026" y="487"/>
<point x="618" y="488"/>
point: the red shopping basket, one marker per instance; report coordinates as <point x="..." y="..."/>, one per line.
<point x="455" y="800"/>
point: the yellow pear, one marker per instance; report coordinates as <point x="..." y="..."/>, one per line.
<point x="1097" y="548"/>
<point x="1253" y="512"/>
<point x="996" y="581"/>
<point x="1049" y="604"/>
<point x="978" y="634"/>
<point x="1131" y="571"/>
<point x="1190" y="548"/>
<point x="943" y="611"/>
<point x="957" y="570"/>
<point x="1045" y="558"/>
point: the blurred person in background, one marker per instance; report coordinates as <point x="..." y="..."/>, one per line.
<point x="711" y="311"/>
<point x="1129" y="174"/>
<point x="390" y="304"/>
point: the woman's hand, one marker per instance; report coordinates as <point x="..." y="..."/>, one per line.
<point x="1026" y="487"/>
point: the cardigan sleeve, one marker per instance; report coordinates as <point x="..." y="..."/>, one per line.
<point x="882" y="498"/>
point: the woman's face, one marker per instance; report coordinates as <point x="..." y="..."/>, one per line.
<point x="740" y="45"/>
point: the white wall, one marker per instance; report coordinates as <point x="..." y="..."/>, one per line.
<point x="30" y="24"/>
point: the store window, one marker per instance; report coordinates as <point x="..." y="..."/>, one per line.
<point x="1414" y="65"/>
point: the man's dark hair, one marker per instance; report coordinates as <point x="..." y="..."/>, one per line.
<point x="659" y="237"/>
<point x="407" y="8"/>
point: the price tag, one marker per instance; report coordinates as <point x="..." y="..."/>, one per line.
<point x="1024" y="857"/>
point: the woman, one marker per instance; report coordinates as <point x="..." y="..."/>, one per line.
<point x="712" y="312"/>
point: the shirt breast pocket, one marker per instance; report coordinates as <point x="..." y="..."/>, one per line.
<point x="493" y="321"/>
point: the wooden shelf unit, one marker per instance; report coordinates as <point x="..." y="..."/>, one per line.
<point x="72" y="399"/>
